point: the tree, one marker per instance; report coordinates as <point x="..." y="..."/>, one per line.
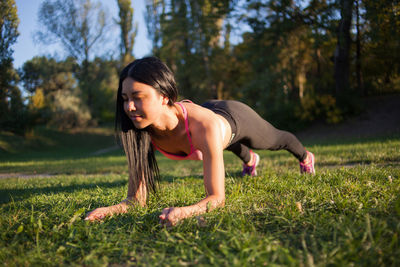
<point x="79" y="25"/>
<point x="342" y="52"/>
<point x="186" y="35"/>
<point x="128" y="32"/>
<point x="155" y="10"/>
<point x="380" y="46"/>
<point x="360" y="87"/>
<point x="48" y="74"/>
<point x="11" y="105"/>
<point x="9" y="28"/>
<point x="54" y="96"/>
<point x="103" y="77"/>
<point x="287" y="54"/>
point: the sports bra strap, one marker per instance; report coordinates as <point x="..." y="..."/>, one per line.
<point x="185" y="115"/>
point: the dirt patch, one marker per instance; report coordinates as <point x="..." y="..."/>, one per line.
<point x="105" y="150"/>
<point x="26" y="176"/>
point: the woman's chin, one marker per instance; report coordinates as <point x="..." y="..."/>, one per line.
<point x="139" y="124"/>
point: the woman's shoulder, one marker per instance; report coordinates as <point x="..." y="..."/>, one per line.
<point x="199" y="118"/>
<point x="195" y="111"/>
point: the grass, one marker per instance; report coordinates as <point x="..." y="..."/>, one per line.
<point x="52" y="152"/>
<point x="347" y="214"/>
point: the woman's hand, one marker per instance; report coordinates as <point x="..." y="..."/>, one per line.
<point x="100" y="213"/>
<point x="171" y="216"/>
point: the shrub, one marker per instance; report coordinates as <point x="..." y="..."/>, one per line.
<point x="69" y="111"/>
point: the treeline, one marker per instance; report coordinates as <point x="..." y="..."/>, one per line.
<point x="299" y="61"/>
<point x="77" y="91"/>
<point x="293" y="61"/>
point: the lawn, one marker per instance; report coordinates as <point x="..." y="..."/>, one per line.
<point x="347" y="214"/>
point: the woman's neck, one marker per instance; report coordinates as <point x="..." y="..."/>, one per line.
<point x="168" y="122"/>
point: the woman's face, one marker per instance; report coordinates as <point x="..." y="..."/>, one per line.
<point x="142" y="103"/>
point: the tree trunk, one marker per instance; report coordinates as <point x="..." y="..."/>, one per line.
<point x="302" y="79"/>
<point x="360" y="85"/>
<point x="341" y="56"/>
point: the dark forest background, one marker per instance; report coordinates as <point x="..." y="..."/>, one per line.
<point x="295" y="63"/>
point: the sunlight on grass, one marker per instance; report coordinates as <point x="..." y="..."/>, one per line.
<point x="347" y="214"/>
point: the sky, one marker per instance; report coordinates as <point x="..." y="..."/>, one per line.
<point x="25" y="48"/>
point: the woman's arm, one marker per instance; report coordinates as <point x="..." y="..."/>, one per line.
<point x="207" y="138"/>
<point x="136" y="196"/>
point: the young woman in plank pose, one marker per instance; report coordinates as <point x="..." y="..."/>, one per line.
<point x="148" y="118"/>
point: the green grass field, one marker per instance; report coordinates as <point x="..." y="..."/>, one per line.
<point x="348" y="214"/>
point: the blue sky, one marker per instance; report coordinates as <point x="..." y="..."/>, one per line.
<point x="25" y="49"/>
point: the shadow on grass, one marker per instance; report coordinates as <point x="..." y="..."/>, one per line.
<point x="7" y="195"/>
<point x="66" y="154"/>
<point x="228" y="174"/>
<point x="357" y="163"/>
<point x="330" y="140"/>
<point x="171" y="178"/>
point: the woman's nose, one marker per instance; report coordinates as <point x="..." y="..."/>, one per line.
<point x="131" y="106"/>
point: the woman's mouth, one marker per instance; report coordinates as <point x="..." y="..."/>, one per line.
<point x="135" y="117"/>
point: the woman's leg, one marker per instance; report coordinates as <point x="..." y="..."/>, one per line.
<point x="252" y="131"/>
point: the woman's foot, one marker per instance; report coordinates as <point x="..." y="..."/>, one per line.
<point x="307" y="165"/>
<point x="250" y="168"/>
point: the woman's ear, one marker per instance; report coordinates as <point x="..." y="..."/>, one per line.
<point x="165" y="100"/>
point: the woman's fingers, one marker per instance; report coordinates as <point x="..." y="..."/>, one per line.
<point x="97" y="214"/>
<point x="170" y="216"/>
<point x="165" y="218"/>
<point x="164" y="213"/>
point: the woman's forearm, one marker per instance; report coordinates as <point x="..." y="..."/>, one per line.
<point x="171" y="216"/>
<point x="206" y="205"/>
<point x="121" y="207"/>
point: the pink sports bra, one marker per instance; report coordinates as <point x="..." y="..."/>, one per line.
<point x="194" y="154"/>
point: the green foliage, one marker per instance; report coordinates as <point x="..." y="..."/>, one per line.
<point x="286" y="59"/>
<point x="15" y="117"/>
<point x="284" y="66"/>
<point x="68" y="111"/>
<point x="102" y="78"/>
<point x="187" y="36"/>
<point x="65" y="102"/>
<point x="320" y="107"/>
<point x="8" y="28"/>
<point x="55" y="99"/>
<point x="80" y="27"/>
<point x="128" y="31"/>
<point x="347" y="214"/>
<point x="381" y="37"/>
<point x="48" y="74"/>
<point x="12" y="111"/>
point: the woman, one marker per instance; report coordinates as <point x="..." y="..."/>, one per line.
<point x="148" y="119"/>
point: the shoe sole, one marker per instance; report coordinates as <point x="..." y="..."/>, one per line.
<point x="312" y="163"/>
<point x="257" y="161"/>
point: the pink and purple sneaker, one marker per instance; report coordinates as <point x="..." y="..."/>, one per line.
<point x="307" y="165"/>
<point x="251" y="170"/>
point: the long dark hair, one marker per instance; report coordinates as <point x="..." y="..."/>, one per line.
<point x="139" y="152"/>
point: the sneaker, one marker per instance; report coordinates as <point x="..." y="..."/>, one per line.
<point x="307" y="166"/>
<point x="251" y="170"/>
